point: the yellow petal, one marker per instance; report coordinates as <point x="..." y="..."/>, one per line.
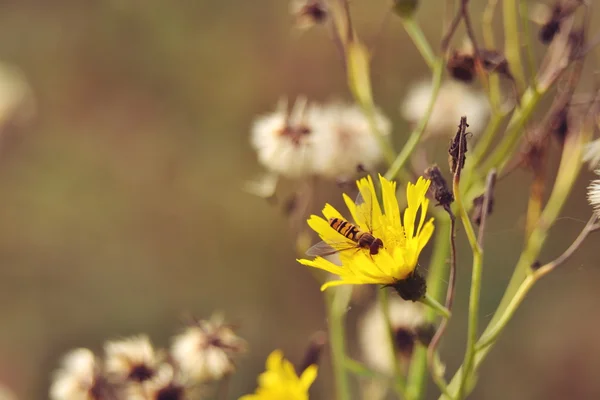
<point x="308" y="376"/>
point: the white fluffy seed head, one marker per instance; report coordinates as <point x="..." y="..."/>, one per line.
<point x="593" y="194"/>
<point x="373" y="337"/>
<point x="333" y="141"/>
<point x="283" y="141"/>
<point x="131" y="360"/>
<point x="454" y="100"/>
<point x="348" y="145"/>
<point x="76" y="377"/>
<point x="591" y="154"/>
<point x="206" y="351"/>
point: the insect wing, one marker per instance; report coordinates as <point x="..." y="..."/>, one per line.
<point x="364" y="209"/>
<point x="323" y="249"/>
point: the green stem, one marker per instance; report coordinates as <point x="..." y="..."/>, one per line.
<point x="436" y="306"/>
<point x="500" y="157"/>
<point x="438" y="270"/>
<point x="416" y="34"/>
<point x="519" y="284"/>
<point x="524" y="11"/>
<point x="362" y="370"/>
<point x="486" y="139"/>
<point x="399" y="381"/>
<point x="416" y="134"/>
<point x="475" y="290"/>
<point x="335" y="315"/>
<point x="512" y="44"/>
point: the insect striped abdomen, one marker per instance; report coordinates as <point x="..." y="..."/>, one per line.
<point x="345" y="228"/>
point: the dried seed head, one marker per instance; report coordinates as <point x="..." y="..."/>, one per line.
<point x="551" y="19"/>
<point x="591" y="154"/>
<point x="206" y="350"/>
<point x="425" y="333"/>
<point x="439" y="188"/>
<point x="593" y="194"/>
<point x="478" y="207"/>
<point x="454" y="100"/>
<point x="166" y="384"/>
<point x="308" y="13"/>
<point x="458" y="147"/>
<point x="78" y="378"/>
<point x="461" y="66"/>
<point x="131" y="360"/>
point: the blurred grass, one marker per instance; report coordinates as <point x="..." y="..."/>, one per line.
<point x="121" y="206"/>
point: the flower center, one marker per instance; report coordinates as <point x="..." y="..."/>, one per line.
<point x="141" y="373"/>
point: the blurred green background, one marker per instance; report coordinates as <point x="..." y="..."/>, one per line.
<point x="121" y="206"/>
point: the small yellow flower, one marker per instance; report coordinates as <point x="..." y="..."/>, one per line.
<point x="403" y="237"/>
<point x="280" y="382"/>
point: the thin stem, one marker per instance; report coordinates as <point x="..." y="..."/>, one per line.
<point x="337" y="340"/>
<point x="512" y="44"/>
<point x="359" y="369"/>
<point x="416" y="34"/>
<point x="399" y="381"/>
<point x="503" y="152"/>
<point x="487" y="25"/>
<point x="438" y="267"/>
<point x="531" y="67"/>
<point x="416" y="134"/>
<point x="486" y="139"/>
<point x="435" y="341"/>
<point x="492" y="334"/>
<point x="436" y="305"/>
<point x="475" y="286"/>
<point x="565" y="179"/>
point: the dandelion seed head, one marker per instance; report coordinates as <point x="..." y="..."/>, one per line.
<point x="593" y="194"/>
<point x="76" y="378"/>
<point x="206" y="351"/>
<point x="283" y="141"/>
<point x="373" y="337"/>
<point x="164" y="385"/>
<point x="454" y="100"/>
<point x="348" y="144"/>
<point x="308" y="13"/>
<point x="131" y="360"/>
<point x="591" y="154"/>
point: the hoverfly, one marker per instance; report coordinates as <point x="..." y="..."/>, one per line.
<point x="356" y="238"/>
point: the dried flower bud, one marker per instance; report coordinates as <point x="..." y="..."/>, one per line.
<point x="314" y="351"/>
<point x="425" y="332"/>
<point x="559" y="124"/>
<point x="412" y="288"/>
<point x="461" y="66"/>
<point x="551" y="19"/>
<point x="478" y="207"/>
<point x="458" y="147"/>
<point x="405" y="8"/>
<point x="494" y="61"/>
<point x="441" y="192"/>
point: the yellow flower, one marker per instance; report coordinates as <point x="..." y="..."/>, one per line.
<point x="280" y="382"/>
<point x="403" y="237"/>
